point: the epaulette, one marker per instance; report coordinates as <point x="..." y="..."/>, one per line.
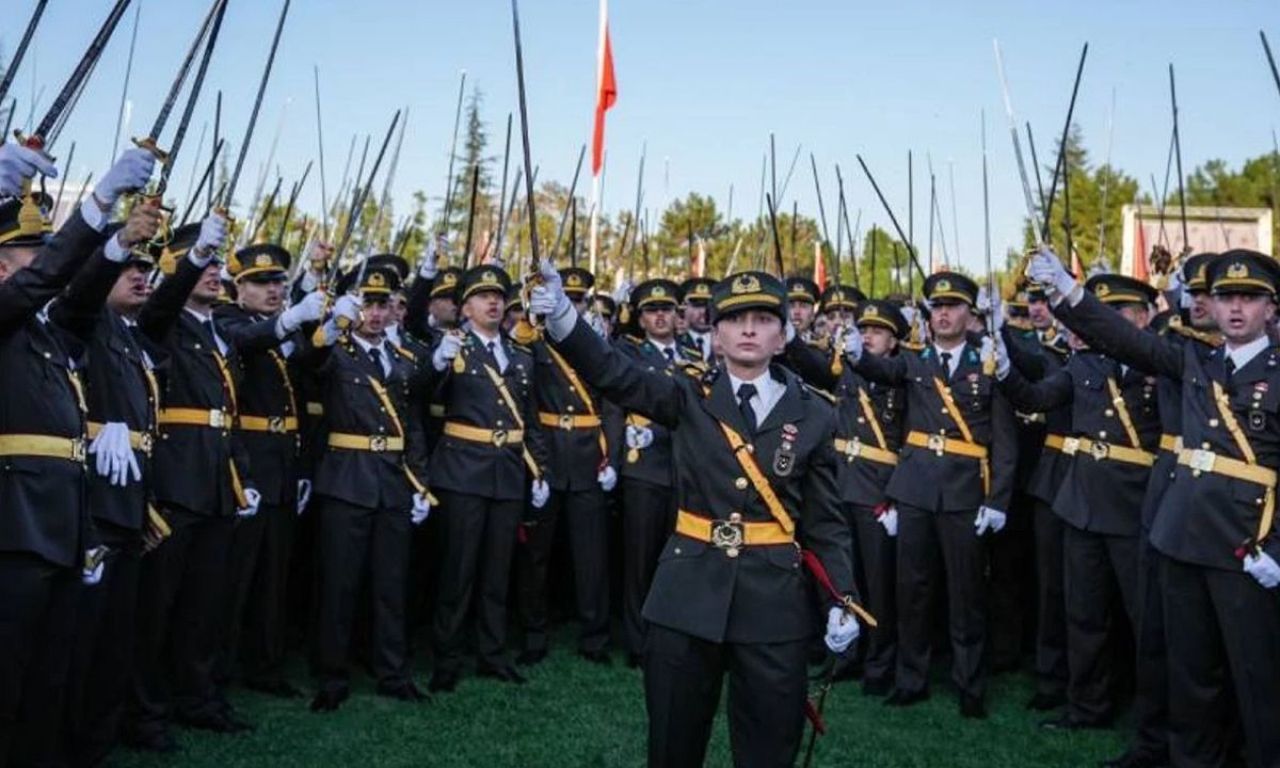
<point x="521" y="348"/>
<point x="912" y="346"/>
<point x="824" y="394"/>
<point x="405" y="353"/>
<point x="1019" y="323"/>
<point x="823" y="343"/>
<point x="1204" y="337"/>
<point x="633" y="338"/>
<point x="709" y="376"/>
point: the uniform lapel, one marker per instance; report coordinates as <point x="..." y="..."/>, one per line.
<point x="787" y="410"/>
<point x="722" y="404"/>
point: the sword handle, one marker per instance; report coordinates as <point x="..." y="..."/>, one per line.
<point x="34" y="141"/>
<point x="149" y="144"/>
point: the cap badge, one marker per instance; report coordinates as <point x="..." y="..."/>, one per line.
<point x="1238" y="270"/>
<point x="658" y="291"/>
<point x="1103" y="290"/>
<point x="376" y="280"/>
<point x="263" y="260"/>
<point x="942" y="285"/>
<point x="745" y="283"/>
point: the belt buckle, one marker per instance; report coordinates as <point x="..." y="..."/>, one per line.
<point x="566" y="421"/>
<point x="275" y="425"/>
<point x="145" y="442"/>
<point x="79" y="451"/>
<point x="217" y="419"/>
<point x="1099" y="450"/>
<point x="853" y="449"/>
<point x="1202" y="461"/>
<point x="728" y="535"/>
<point x="378" y="443"/>
<point x="1070" y="445"/>
<point x="499" y="437"/>
<point x="938" y="444"/>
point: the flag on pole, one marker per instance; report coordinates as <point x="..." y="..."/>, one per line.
<point x="606" y="89"/>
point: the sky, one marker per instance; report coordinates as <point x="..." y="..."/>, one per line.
<point x="702" y="84"/>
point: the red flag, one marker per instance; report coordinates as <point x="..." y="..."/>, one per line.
<point x="1140" y="266"/>
<point x="606" y="89"/>
<point x="819" y="268"/>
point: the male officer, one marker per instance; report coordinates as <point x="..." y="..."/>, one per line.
<point x="729" y="595"/>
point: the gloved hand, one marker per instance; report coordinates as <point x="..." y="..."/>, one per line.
<point x="789" y="331"/>
<point x="1002" y="357"/>
<point x="608" y="478"/>
<point x="421" y="508"/>
<point x="427" y="264"/>
<point x="597" y="324"/>
<point x="448" y="348"/>
<point x="310" y="309"/>
<point x="18" y="163"/>
<point x="304" y="495"/>
<point x="115" y="458"/>
<point x="253" y="498"/>
<point x="131" y="172"/>
<point x="622" y="293"/>
<point x="989" y="519"/>
<point x="638" y="437"/>
<point x="213" y="235"/>
<point x="539" y="492"/>
<point x="348" y="307"/>
<point x="95" y="564"/>
<point x="853" y="343"/>
<point x="984" y="300"/>
<point x="888" y="517"/>
<point x="1046" y="268"/>
<point x="548" y="300"/>
<point x="1263" y="568"/>
<point x="842" y="630"/>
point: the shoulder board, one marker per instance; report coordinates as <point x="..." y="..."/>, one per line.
<point x="1210" y="339"/>
<point x="823" y="343"/>
<point x="912" y="346"/>
<point x="522" y="348"/>
<point x="633" y="339"/>
<point x="405" y="353"/>
<point x="825" y="395"/>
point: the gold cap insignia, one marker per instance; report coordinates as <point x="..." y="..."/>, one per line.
<point x="263" y="260"/>
<point x="1238" y="270"/>
<point x="837" y="296"/>
<point x="872" y="311"/>
<point x="376" y="280"/>
<point x="745" y="284"/>
<point x="658" y="291"/>
<point x="489" y="277"/>
<point x="573" y="281"/>
<point x="942" y="285"/>
<point x="449" y="278"/>
<point x="1103" y="290"/>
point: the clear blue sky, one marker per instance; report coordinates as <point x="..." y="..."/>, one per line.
<point x="704" y="83"/>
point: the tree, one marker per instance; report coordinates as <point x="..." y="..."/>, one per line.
<point x="1253" y="186"/>
<point x="471" y="169"/>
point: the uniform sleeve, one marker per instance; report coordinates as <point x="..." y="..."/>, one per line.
<point x="883" y="370"/>
<point x="1104" y="329"/>
<point x="653" y="394"/>
<point x="57" y="262"/>
<point x="1046" y="394"/>
<point x="164" y="307"/>
<point x="78" y="310"/>
<point x="244" y="333"/>
<point x="825" y="531"/>
<point x="811" y="364"/>
<point x="1004" y="452"/>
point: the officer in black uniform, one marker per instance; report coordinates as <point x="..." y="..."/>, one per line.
<point x="46" y="541"/>
<point x="643" y="453"/>
<point x="202" y="486"/>
<point x="261" y="330"/>
<point x="491" y="451"/>
<point x="869" y="420"/>
<point x="695" y="298"/>
<point x="579" y="474"/>
<point x="1215" y="525"/>
<point x="370" y="484"/>
<point x="1111" y="445"/>
<point x="802" y="305"/>
<point x="952" y="485"/>
<point x="756" y="480"/>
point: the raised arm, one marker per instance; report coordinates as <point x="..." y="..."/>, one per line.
<point x="1046" y="394"/>
<point x="653" y="394"/>
<point x="811" y="364"/>
<point x="1102" y="328"/>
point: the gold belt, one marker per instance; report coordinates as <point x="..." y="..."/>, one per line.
<point x="496" y="437"/>
<point x="138" y="441"/>
<point x="569" y="421"/>
<point x="1054" y="442"/>
<point x="1207" y="461"/>
<point x="732" y="534"/>
<point x="1101" y="451"/>
<point x="276" y="425"/>
<point x="941" y="444"/>
<point x="45" y="446"/>
<point x="856" y="449"/>
<point x="374" y="443"/>
<point x="195" y="417"/>
<point x="1171" y="443"/>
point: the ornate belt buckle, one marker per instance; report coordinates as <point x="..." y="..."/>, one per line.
<point x="728" y="534"/>
<point x="938" y="444"/>
<point x="275" y="425"/>
<point x="217" y="419"/>
<point x="852" y="449"/>
<point x="1202" y="461"/>
<point x="79" y="451"/>
<point x="1070" y="445"/>
<point x="566" y="421"/>
<point x="378" y="443"/>
<point x="1100" y="450"/>
<point x="499" y="437"/>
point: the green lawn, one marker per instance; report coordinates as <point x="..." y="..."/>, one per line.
<point x="575" y="714"/>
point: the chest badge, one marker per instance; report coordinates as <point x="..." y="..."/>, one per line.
<point x="1257" y="421"/>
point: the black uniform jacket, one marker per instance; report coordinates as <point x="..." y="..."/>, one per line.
<point x="760" y="596"/>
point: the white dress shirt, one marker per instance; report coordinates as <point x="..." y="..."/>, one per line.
<point x="499" y="353"/>
<point x="955" y="353"/>
<point x="768" y="392"/>
<point x="384" y="353"/>
<point x="222" y="345"/>
<point x="1242" y="354"/>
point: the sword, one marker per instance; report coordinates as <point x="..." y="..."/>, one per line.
<point x="471" y="216"/>
<point x="502" y="194"/>
<point x="1177" y="147"/>
<point x="293" y="200"/>
<point x="362" y="195"/>
<point x="1062" y="148"/>
<point x="911" y="251"/>
<point x="1032" y="213"/>
<point x="229" y="195"/>
<point x="11" y="71"/>
<point x="453" y="151"/>
<point x="564" y="217"/>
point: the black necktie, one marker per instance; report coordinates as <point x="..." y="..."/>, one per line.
<point x="671" y="354"/>
<point x="1230" y="364"/>
<point x="745" y="393"/>
<point x="946" y="363"/>
<point x="209" y="335"/>
<point x="375" y="354"/>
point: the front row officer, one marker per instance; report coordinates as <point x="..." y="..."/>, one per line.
<point x="756" y="481"/>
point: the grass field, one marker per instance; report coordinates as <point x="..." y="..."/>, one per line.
<point x="576" y="714"/>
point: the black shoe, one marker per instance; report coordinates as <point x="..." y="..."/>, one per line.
<point x="532" y="657"/>
<point x="1069" y="723"/>
<point x="1043" y="702"/>
<point x="330" y="700"/>
<point x="505" y="674"/>
<point x="900" y="698"/>
<point x="971" y="707"/>
<point x="634" y="661"/>
<point x="159" y="742"/>
<point x="443" y="681"/>
<point x="600" y="657"/>
<point x="219" y="722"/>
<point x="278" y="688"/>
<point x="879" y="687"/>
<point x="1137" y="760"/>
<point x="405" y="691"/>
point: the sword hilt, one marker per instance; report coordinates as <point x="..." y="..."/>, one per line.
<point x="149" y="144"/>
<point x="34" y="141"/>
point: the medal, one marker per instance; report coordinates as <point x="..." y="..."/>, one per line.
<point x="633" y="455"/>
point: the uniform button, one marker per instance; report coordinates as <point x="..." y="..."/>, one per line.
<point x="677" y="550"/>
<point x="380" y="408"/>
<point x="1103" y="434"/>
<point x="943" y="411"/>
<point x="1213" y="422"/>
<point x="1257" y="395"/>
<point x="1109" y="412"/>
<point x="862" y="420"/>
<point x="499" y="422"/>
<point x="740" y="483"/>
<point x="569" y="409"/>
<point x="1204" y="446"/>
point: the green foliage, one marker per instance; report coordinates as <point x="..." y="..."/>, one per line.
<point x="1255" y="185"/>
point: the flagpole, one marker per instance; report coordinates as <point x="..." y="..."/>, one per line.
<point x="595" y="220"/>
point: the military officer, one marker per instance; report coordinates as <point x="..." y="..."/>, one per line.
<point x="802" y="301"/>
<point x="952" y="486"/>
<point x="695" y="297"/>
<point x="729" y="595"/>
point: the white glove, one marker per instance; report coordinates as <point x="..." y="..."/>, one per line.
<point x="91" y="575"/>
<point x="639" y="437"/>
<point x="989" y="519"/>
<point x="789" y="331"/>
<point x="1263" y="569"/>
<point x="131" y="172"/>
<point x="18" y="163"/>
<point x="348" y="307"/>
<point x="597" y="324"/>
<point x="427" y="264"/>
<point x="310" y="309"/>
<point x="115" y="458"/>
<point x="549" y="300"/>
<point x="421" y="508"/>
<point x="997" y="313"/>
<point x="1046" y="269"/>
<point x="622" y="293"/>
<point x="448" y="348"/>
<point x="213" y="235"/>
<point x="539" y="492"/>
<point x="1002" y="357"/>
<point x="304" y="495"/>
<point x="608" y="478"/>
<point x="853" y="343"/>
<point x="253" y="497"/>
<point x="984" y="299"/>
<point x="889" y="519"/>
<point x="842" y="630"/>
